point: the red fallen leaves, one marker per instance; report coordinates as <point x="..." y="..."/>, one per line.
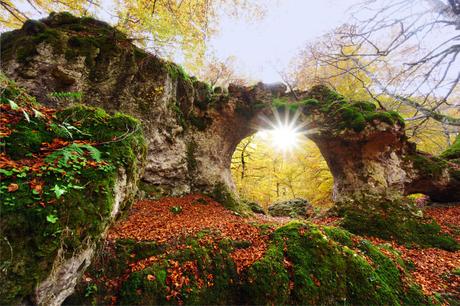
<point x="13" y="116"/>
<point x="446" y="217"/>
<point x="177" y="278"/>
<point x="433" y="267"/>
<point x="327" y="221"/>
<point x="154" y="221"/>
<point x="13" y="187"/>
<point x="10" y="117"/>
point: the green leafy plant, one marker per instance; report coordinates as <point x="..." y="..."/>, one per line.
<point x="59" y="190"/>
<point x="90" y="290"/>
<point x="176" y="209"/>
<point x="73" y="152"/>
<point x="74" y="96"/>
<point x="51" y="218"/>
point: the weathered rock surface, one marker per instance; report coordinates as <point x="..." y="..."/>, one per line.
<point x="294" y="208"/>
<point x="66" y="196"/>
<point x="192" y="131"/>
<point x="66" y="270"/>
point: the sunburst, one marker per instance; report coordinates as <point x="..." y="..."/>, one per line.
<point x="285" y="133"/>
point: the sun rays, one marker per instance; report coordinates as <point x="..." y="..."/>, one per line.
<point x="283" y="130"/>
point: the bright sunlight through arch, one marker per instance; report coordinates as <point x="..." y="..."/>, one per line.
<point x="284" y="133"/>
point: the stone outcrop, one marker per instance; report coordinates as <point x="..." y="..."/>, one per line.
<point x="59" y="194"/>
<point x="368" y="151"/>
<point x="294" y="208"/>
<point x="192" y="131"/>
<point x="256" y="208"/>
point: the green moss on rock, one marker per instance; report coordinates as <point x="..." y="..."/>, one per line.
<point x="295" y="208"/>
<point x="303" y="264"/>
<point x="393" y="219"/>
<point x="346" y="114"/>
<point x="342" y="112"/>
<point x="429" y="166"/>
<point x="67" y="34"/>
<point x="325" y="271"/>
<point x="453" y="152"/>
<point x="27" y="138"/>
<point x="222" y="194"/>
<point x="73" y="206"/>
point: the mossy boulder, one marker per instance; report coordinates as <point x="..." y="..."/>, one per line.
<point x="229" y="199"/>
<point x="453" y="152"/>
<point x="303" y="264"/>
<point x="256" y="208"/>
<point x="294" y="208"/>
<point x="309" y="265"/>
<point x="74" y="172"/>
<point x="394" y="219"/>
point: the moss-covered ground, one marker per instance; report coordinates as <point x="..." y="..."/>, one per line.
<point x="58" y="171"/>
<point x="297" y="263"/>
<point x="398" y="220"/>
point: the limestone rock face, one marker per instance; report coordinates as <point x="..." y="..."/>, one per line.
<point x="295" y="208"/>
<point x="67" y="272"/>
<point x="192" y="130"/>
<point x="368" y="152"/>
<point x="49" y="234"/>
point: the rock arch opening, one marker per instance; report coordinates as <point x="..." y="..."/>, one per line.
<point x="281" y="163"/>
<point x="193" y="130"/>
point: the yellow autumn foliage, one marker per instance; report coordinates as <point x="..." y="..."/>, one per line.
<point x="264" y="174"/>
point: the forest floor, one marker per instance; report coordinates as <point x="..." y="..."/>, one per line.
<point x="173" y="219"/>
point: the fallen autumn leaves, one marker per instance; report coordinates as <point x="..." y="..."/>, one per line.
<point x="159" y="221"/>
<point x="154" y="221"/>
<point x="433" y="268"/>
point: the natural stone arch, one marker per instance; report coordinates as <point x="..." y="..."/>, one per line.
<point x="367" y="150"/>
<point x="192" y="130"/>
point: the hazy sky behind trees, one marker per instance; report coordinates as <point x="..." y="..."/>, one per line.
<point x="262" y="47"/>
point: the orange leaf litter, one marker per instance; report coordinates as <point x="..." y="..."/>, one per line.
<point x="433" y="267"/>
<point x="154" y="221"/>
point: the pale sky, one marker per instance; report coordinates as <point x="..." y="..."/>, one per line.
<point x="272" y="42"/>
